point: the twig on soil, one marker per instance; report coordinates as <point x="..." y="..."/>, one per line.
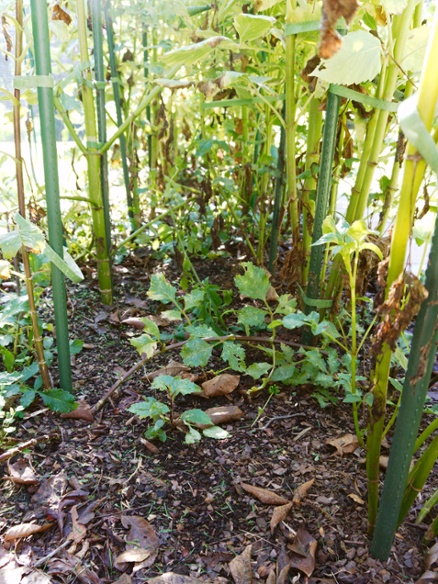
<point x="52" y="553"/>
<point x="24" y="445"/>
<point x="166" y="348"/>
<point x="269" y="422"/>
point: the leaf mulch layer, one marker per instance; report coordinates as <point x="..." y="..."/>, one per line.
<point x="282" y="500"/>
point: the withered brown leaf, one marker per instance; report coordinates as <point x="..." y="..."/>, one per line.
<point x="332" y="10"/>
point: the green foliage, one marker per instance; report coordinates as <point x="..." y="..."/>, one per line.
<point x="162" y="414"/>
<point x="254" y="283"/>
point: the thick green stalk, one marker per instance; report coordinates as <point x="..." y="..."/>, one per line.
<point x="291" y="171"/>
<point x="273" y="246"/>
<point x="115" y="80"/>
<point x="396" y="501"/>
<point x="412" y="178"/>
<point x="37" y="339"/>
<point x="99" y="73"/>
<point x="377" y="127"/>
<point x="418" y="476"/>
<point x="322" y="199"/>
<point x="40" y="29"/>
<point x="312" y="158"/>
<point x="94" y="165"/>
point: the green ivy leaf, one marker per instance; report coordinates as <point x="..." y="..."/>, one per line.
<point x="145" y="344"/>
<point x="58" y="400"/>
<point x="252" y="316"/>
<point x="172" y="315"/>
<point x="286" y="305"/>
<point x="161" y="290"/>
<point x="254" y="283"/>
<point x="257" y="370"/>
<point x="27" y="397"/>
<point x="234" y="355"/>
<point x="196" y="353"/>
<point x="299" y="319"/>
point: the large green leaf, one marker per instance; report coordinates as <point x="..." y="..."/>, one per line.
<point x="66" y="265"/>
<point x="251" y="27"/>
<point x="252" y="316"/>
<point x="254" y="283"/>
<point x="161" y="290"/>
<point x="196" y="353"/>
<point x="145" y="344"/>
<point x="58" y="400"/>
<point x="257" y="370"/>
<point x="196" y="416"/>
<point x="26" y="234"/>
<point x="234" y="355"/>
<point x="358" y="60"/>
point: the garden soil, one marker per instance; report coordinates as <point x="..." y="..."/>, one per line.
<point x="283" y="499"/>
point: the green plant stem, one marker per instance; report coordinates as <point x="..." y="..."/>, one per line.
<point x="425" y="434"/>
<point x="99" y="74"/>
<point x="291" y="173"/>
<point x="312" y="159"/>
<point x="275" y="229"/>
<point x="94" y="165"/>
<point x="412" y="177"/>
<point x="40" y="30"/>
<point x="418" y="477"/>
<point x="322" y="196"/>
<point x="427" y="507"/>
<point x="69" y="125"/>
<point x="115" y="80"/>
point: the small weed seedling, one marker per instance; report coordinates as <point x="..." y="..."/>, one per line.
<point x="162" y="414"/>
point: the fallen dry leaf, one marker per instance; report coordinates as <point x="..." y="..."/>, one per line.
<point x="60" y="14"/>
<point x="133" y="555"/>
<point x="264" y="495"/>
<point x="51" y="491"/>
<point x="220" y="385"/>
<point x="356" y="498"/>
<point x="143" y="534"/>
<point x="124" y="579"/>
<point x="304" y="549"/>
<point x="172" y="578"/>
<point x="301" y="491"/>
<point x="22" y="473"/>
<point x="82" y="412"/>
<point x="174" y="368"/>
<point x="224" y="414"/>
<point x="24" y="530"/>
<point x="78" y="530"/>
<point x="240" y="567"/>
<point x="35" y="577"/>
<point x="345" y="444"/>
<point x="280" y="513"/>
<point x="271" y="295"/>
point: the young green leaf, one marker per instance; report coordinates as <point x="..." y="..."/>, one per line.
<point x="58" y="400"/>
<point x="150" y="327"/>
<point x="252" y="316"/>
<point x="257" y="370"/>
<point x="196" y="353"/>
<point x="234" y="355"/>
<point x="216" y="432"/>
<point x="252" y="27"/>
<point x="197" y="417"/>
<point x="254" y="283"/>
<point x="149" y="408"/>
<point x="144" y="344"/>
<point x="161" y="290"/>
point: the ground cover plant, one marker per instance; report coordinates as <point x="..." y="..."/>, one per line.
<point x="233" y="192"/>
